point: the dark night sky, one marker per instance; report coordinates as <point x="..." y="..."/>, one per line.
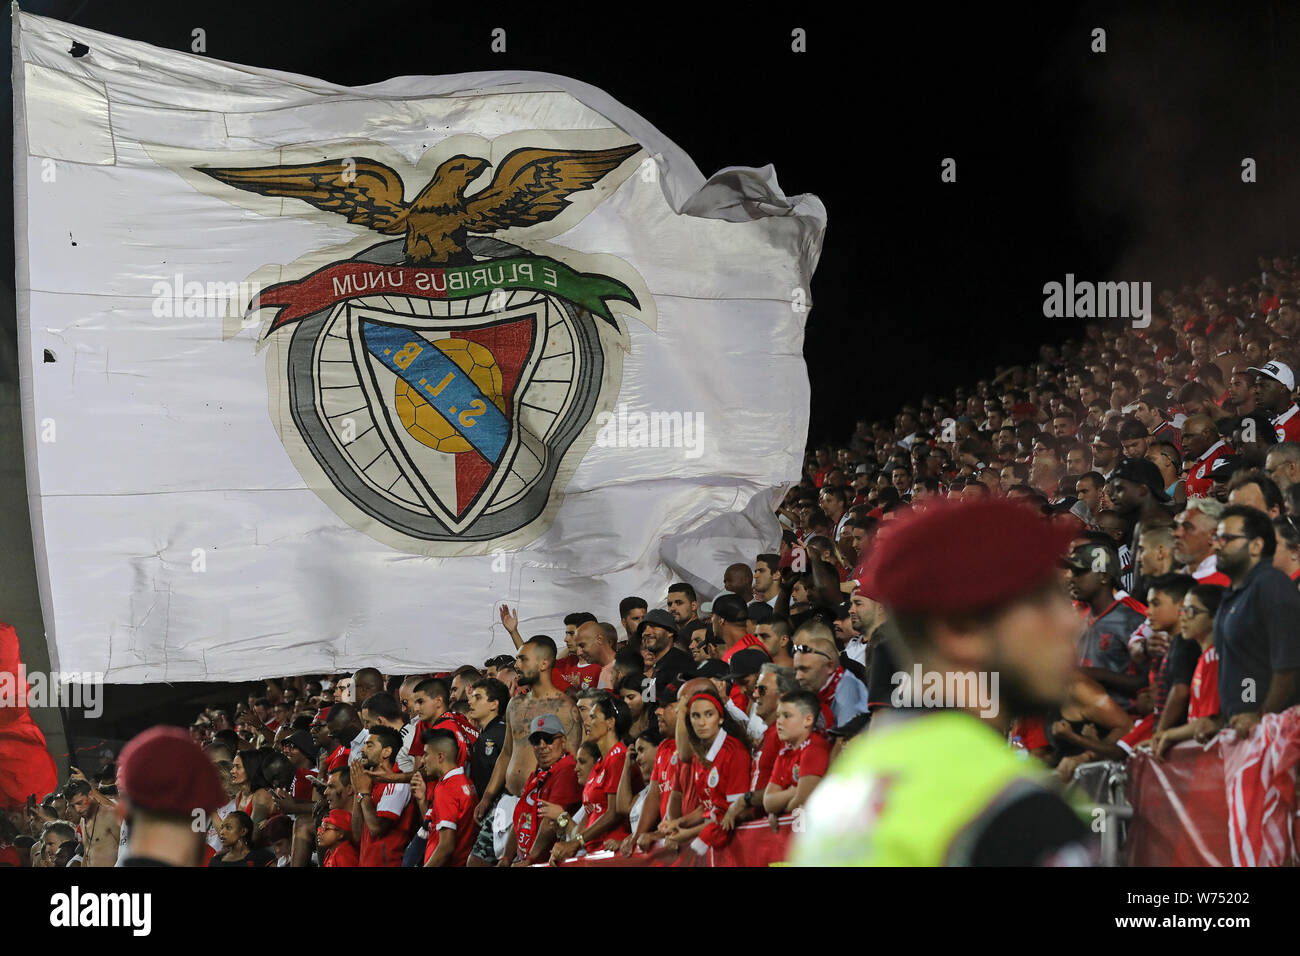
<point x="1117" y="166"/>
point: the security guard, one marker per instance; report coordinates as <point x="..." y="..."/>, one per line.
<point x="975" y="590"/>
<point x="169" y="790"/>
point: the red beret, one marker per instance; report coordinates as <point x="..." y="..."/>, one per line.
<point x="164" y="771"/>
<point x="964" y="555"/>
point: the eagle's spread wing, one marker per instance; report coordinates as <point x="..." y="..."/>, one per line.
<point x="369" y="194"/>
<point x="531" y="185"/>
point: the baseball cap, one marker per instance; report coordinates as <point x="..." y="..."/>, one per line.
<point x="302" y="740"/>
<point x="340" y="819"/>
<point x="666" y="690"/>
<point x="747" y="663"/>
<point x="1107" y="436"/>
<point x="545" y="724"/>
<point x="1094" y="557"/>
<point x="928" y="560"/>
<point x="162" y="770"/>
<point x="711" y="668"/>
<point x="1142" y="472"/>
<point x="731" y="608"/>
<point x="657" y="617"/>
<point x="862" y="470"/>
<point x="1279" y="372"/>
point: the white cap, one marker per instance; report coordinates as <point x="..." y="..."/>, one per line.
<point x="1278" y="371"/>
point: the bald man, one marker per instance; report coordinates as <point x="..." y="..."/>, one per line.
<point x="739" y="580"/>
<point x="595" y="646"/>
<point x="365" y="683"/>
<point x="817" y="669"/>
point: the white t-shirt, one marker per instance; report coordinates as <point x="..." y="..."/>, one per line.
<point x="214" y="841"/>
<point x="638" y="805"/>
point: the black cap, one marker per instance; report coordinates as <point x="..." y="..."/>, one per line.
<point x="730" y="608"/>
<point x="666" y="690"/>
<point x="1142" y="472"/>
<point x="1108" y="436"/>
<point x="657" y="617"/>
<point x="711" y="668"/>
<point x="760" y="612"/>
<point x="747" y="663"/>
<point x="302" y="740"/>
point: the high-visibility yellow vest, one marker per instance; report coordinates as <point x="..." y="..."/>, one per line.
<point x="903" y="793"/>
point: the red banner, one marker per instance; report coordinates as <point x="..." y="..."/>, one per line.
<point x="754" y="844"/>
<point x="1230" y="802"/>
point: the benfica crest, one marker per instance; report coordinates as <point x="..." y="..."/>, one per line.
<point x="437" y="389"/>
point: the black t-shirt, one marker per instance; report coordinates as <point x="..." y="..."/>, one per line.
<point x="1256" y="632"/>
<point x="672" y="664"/>
<point x="485" y="753"/>
<point x="255" y="858"/>
<point x="1033" y="828"/>
<point x="1183" y="656"/>
<point x="880" y="673"/>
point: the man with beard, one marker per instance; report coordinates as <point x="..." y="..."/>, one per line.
<point x="940" y="786"/>
<point x="1137" y="491"/>
<point x="1274" y="384"/>
<point x="657" y="632"/>
<point x="1257" y="627"/>
<point x="1113" y="617"/>
<point x="517" y="761"/>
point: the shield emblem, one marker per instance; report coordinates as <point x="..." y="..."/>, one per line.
<point x="445" y="420"/>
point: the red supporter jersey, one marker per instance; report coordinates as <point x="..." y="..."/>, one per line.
<point x="723" y="775"/>
<point x="558" y="784"/>
<point x="576" y="674"/>
<point x="1199" y="481"/>
<point x="601" y="785"/>
<point x="1031" y="733"/>
<point x="392" y="801"/>
<point x="1205" y="686"/>
<point x="342" y="853"/>
<point x="460" y="725"/>
<point x="1287" y="425"/>
<point x="664" y="771"/>
<point x="684" y="783"/>
<point x="749" y="640"/>
<point x="452" y="808"/>
<point x="811" y="757"/>
<point x="302" y="789"/>
<point x="337" y="759"/>
<point x="1141" y="731"/>
<point x="766" y="759"/>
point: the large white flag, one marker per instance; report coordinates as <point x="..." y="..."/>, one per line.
<point x="316" y="377"/>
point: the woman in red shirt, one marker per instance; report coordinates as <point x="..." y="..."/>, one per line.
<point x="720" y="761"/>
<point x="605" y="720"/>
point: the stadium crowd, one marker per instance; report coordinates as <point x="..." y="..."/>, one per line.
<point x="1173" y="449"/>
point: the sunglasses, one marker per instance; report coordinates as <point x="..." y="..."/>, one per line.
<point x="805" y="649"/>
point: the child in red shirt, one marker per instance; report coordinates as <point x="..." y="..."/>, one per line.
<point x="447" y="806"/>
<point x="1203" y="710"/>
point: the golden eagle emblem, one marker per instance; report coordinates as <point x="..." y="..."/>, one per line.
<point x="530" y="186"/>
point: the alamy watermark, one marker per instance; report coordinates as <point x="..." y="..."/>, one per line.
<point x="961" y="690"/>
<point x="175" y="298"/>
<point x="79" y="690"/>
<point x="1098" y="300"/>
<point x="623" y="429"/>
